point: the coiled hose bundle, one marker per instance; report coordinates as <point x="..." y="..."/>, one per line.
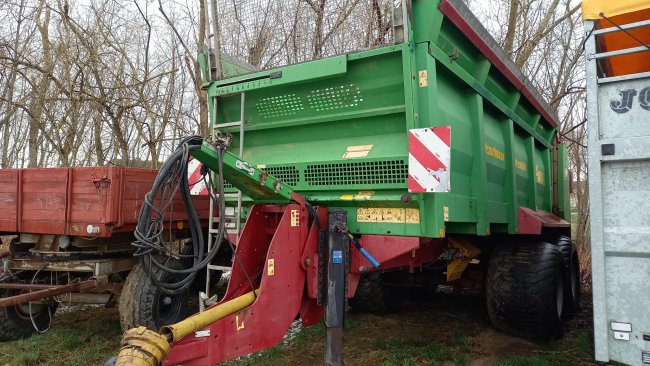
<point x="151" y="250"/>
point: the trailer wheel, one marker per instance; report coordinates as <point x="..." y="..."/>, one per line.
<point x="199" y="281"/>
<point x="142" y="303"/>
<point x="372" y="296"/>
<point x="525" y="290"/>
<point x="15" y="321"/>
<point x="571" y="272"/>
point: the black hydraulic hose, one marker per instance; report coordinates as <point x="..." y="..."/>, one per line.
<point x="171" y="178"/>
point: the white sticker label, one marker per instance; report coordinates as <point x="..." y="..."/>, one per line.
<point x="202" y="333"/>
<point x="622" y="336"/>
<point x="621" y="327"/>
<point x="245" y="166"/>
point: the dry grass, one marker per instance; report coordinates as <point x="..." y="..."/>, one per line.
<point x="79" y="336"/>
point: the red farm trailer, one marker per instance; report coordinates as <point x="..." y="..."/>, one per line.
<point x="72" y="230"/>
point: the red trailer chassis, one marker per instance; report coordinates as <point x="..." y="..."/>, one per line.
<point x="278" y="256"/>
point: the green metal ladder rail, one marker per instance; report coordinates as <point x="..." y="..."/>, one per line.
<point x="235" y="218"/>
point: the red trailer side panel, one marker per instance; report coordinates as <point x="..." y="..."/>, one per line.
<point x="43" y="200"/>
<point x="8" y="200"/>
<point x="73" y="200"/>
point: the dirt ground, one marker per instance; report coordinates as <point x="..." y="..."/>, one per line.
<point x="441" y="330"/>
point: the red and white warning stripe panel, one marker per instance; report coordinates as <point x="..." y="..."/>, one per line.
<point x="429" y="159"/>
<point x="194" y="178"/>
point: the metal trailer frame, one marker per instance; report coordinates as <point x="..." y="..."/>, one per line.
<point x="618" y="156"/>
<point x="73" y="225"/>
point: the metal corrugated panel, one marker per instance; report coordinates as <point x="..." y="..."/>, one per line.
<point x="619" y="167"/>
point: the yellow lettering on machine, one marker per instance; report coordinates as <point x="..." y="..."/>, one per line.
<point x="520" y="165"/>
<point x="238" y="325"/>
<point x="539" y="175"/>
<point x="494" y="152"/>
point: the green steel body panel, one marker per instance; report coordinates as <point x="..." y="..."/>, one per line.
<point x="336" y="131"/>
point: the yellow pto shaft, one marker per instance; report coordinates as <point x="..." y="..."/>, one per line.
<point x="144" y="347"/>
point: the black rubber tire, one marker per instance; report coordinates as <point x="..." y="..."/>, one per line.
<point x="199" y="281"/>
<point x="141" y="301"/>
<point x="372" y="296"/>
<point x="525" y="290"/>
<point x="571" y="272"/>
<point x="15" y="322"/>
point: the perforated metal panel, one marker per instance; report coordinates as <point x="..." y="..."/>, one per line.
<point x="279" y="106"/>
<point x="343" y="96"/>
<point x="364" y="172"/>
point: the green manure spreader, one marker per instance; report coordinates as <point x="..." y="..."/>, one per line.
<point x="430" y="162"/>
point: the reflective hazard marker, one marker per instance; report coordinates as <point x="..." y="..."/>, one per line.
<point x="194" y="178"/>
<point x="429" y="159"/>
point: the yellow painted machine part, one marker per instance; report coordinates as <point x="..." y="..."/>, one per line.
<point x="144" y="347"/>
<point x="591" y="9"/>
<point x="456" y="267"/>
<point x="201" y="320"/>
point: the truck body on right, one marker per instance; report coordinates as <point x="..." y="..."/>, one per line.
<point x="617" y="49"/>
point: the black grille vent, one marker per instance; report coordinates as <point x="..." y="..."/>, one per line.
<point x="287" y="174"/>
<point x="365" y="172"/>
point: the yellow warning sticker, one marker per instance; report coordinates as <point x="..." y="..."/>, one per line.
<point x="389" y="215"/>
<point x="362" y="195"/>
<point x="295" y="218"/>
<point x="360" y="151"/>
<point x="270" y="267"/>
<point x="423" y="78"/>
